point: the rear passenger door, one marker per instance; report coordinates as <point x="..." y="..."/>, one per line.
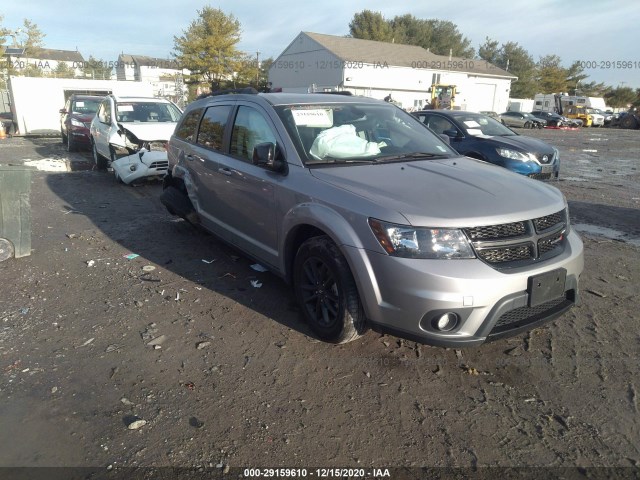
<point x="203" y="161"/>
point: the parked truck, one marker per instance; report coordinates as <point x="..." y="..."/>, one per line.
<point x="36" y="102"/>
<point x="575" y="107"/>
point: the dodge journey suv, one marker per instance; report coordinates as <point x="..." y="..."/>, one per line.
<point x="373" y="219"/>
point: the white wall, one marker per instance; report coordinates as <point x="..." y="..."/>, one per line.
<point x="303" y="64"/>
<point x="36" y="102"/>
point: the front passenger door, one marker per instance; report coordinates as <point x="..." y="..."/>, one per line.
<point x="248" y="209"/>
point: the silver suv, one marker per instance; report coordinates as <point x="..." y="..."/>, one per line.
<point x="373" y="218"/>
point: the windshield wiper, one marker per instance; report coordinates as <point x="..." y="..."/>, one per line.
<point x="332" y="160"/>
<point x="412" y="155"/>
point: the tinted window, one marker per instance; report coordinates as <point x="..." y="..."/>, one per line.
<point x="212" y="127"/>
<point x="439" y="124"/>
<point x="187" y="129"/>
<point x="249" y="129"/>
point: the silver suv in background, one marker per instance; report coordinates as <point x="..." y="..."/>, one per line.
<point x="374" y="219"/>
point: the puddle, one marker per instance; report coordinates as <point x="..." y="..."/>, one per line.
<point x="48" y="164"/>
<point x="606" y="233"/>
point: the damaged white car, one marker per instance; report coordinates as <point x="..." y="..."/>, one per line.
<point x="130" y="134"/>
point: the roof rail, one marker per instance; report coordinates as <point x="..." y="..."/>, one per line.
<point x="246" y="90"/>
<point x="337" y="92"/>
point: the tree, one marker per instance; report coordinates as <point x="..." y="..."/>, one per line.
<point x="490" y="51"/>
<point x="516" y="60"/>
<point x="32" y="39"/>
<point x="439" y="36"/>
<point x="551" y="77"/>
<point x="369" y="25"/>
<point x="63" y="70"/>
<point x="96" y="69"/>
<point x="621" y="97"/>
<point x="208" y="47"/>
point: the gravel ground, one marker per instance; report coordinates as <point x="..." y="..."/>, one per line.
<point x="224" y="374"/>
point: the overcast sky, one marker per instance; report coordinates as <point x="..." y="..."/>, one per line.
<point x="597" y="31"/>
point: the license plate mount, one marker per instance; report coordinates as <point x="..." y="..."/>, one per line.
<point x="546" y="286"/>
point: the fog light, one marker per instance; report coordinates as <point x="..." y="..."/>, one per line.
<point x="132" y="168"/>
<point x="447" y="322"/>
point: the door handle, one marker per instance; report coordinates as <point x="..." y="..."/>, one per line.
<point x="189" y="157"/>
<point x="225" y="171"/>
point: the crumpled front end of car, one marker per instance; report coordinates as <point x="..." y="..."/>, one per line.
<point x="142" y="164"/>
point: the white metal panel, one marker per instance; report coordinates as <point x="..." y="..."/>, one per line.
<point x="37" y="102"/>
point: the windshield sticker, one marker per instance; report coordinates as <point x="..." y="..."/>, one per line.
<point x="79" y="104"/>
<point x="474" y="131"/>
<point x="313" y="118"/>
<point x="441" y="148"/>
<point x="125" y="108"/>
<point x="472" y="124"/>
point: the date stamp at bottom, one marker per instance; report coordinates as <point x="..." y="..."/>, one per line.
<point x="316" y="473"/>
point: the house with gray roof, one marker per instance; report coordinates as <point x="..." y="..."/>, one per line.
<point x="48" y="59"/>
<point x="405" y="73"/>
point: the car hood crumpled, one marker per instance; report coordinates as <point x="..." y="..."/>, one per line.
<point x="457" y="192"/>
<point x="150" y="131"/>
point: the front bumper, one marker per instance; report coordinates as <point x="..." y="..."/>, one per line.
<point x="405" y="296"/>
<point x="140" y="165"/>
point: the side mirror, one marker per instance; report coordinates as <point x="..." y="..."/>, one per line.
<point x="451" y="133"/>
<point x="445" y="138"/>
<point x="269" y="156"/>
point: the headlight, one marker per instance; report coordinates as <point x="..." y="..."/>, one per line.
<point x="76" y="123"/>
<point x="515" y="155"/>
<point x="412" y="242"/>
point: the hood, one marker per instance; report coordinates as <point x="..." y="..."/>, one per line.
<point x="523" y="143"/>
<point x="458" y="192"/>
<point x="150" y="131"/>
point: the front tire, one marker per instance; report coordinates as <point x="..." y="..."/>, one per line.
<point x="326" y="291"/>
<point x="71" y="144"/>
<point x="527" y="124"/>
<point x="99" y="160"/>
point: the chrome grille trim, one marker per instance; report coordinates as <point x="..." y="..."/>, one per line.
<point x="517" y="244"/>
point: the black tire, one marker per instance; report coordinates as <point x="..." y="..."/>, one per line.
<point x="628" y="121"/>
<point x="527" y="124"/>
<point x="100" y="162"/>
<point x="326" y="291"/>
<point x="71" y="144"/>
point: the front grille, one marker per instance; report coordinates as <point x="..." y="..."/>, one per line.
<point x="161" y="165"/>
<point x="522" y="316"/>
<point x="517" y="244"/>
<point x="547" y="244"/>
<point x="506" y="254"/>
<point x="540" y="176"/>
<point x="494" y="232"/>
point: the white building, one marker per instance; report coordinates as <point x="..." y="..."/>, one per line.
<point x="317" y="62"/>
<point x="166" y="76"/>
<point x="48" y="59"/>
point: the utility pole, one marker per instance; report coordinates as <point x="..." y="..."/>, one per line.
<point x="257" y="70"/>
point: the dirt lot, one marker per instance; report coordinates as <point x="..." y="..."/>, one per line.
<point x="236" y="380"/>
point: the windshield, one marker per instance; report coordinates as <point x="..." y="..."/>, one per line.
<point x="147" y="112"/>
<point x="476" y="125"/>
<point x="85" y="107"/>
<point x="357" y="133"/>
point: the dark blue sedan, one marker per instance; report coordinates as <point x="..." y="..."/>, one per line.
<point x="482" y="137"/>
